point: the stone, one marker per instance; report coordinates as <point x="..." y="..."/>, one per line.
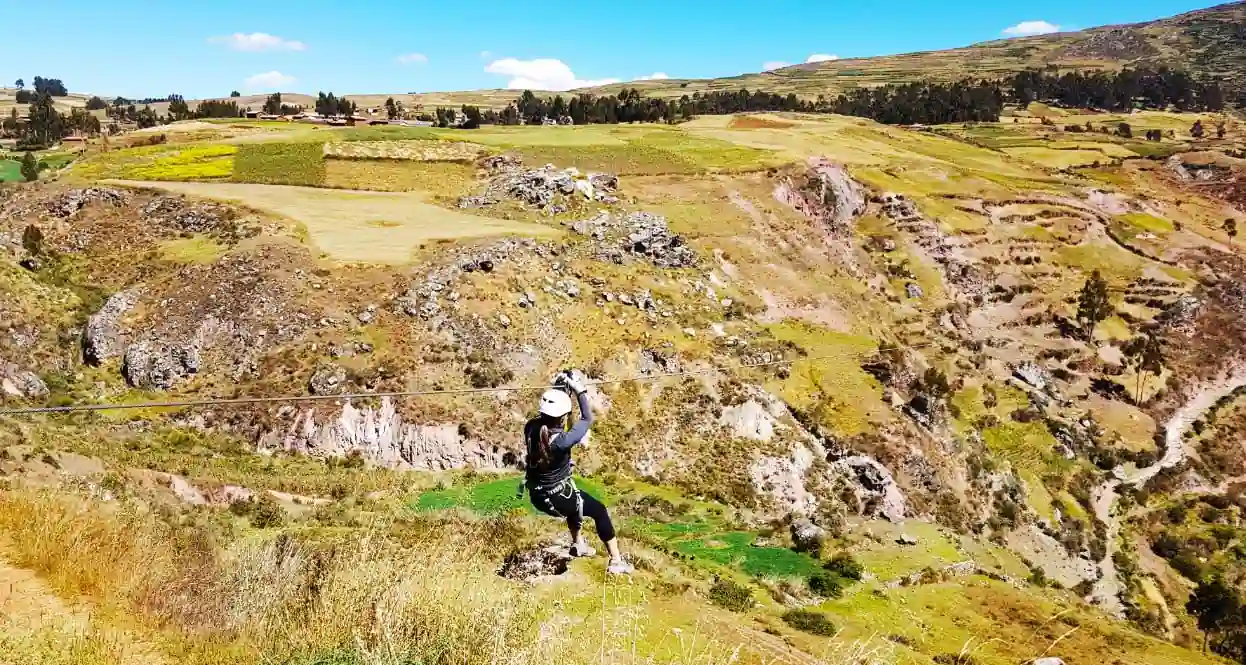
<point x="913" y="290"/>
<point x="102" y="336"/>
<point x="20" y="383"/>
<point x="504" y="320"/>
<point x="807" y="536"/>
<point x="906" y="539"/>
<point x="1049" y="660"/>
<point x="1033" y="375"/>
<point x="329" y="380"/>
<point x="68" y="204"/>
<point x="158" y="366"/>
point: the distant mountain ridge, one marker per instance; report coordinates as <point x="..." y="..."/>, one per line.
<point x="1209" y="43"/>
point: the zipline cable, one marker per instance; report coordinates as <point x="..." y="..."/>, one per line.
<point x="73" y="408"/>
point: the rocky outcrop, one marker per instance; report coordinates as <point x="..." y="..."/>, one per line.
<point x="70" y="203"/>
<point x="157" y="366"/>
<point x="826" y="193"/>
<point x="875" y="486"/>
<point x="383" y="438"/>
<point x="749" y="420"/>
<point x="546" y="187"/>
<point x="958" y="272"/>
<point x="102" y="338"/>
<point x="20" y="383"/>
<point x="328" y="380"/>
<point x="179" y="215"/>
<point x="638" y="234"/>
<point x="783" y="480"/>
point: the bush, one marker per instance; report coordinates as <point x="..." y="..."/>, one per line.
<point x="845" y="566"/>
<point x="827" y="585"/>
<point x="731" y="595"/>
<point x="30" y="167"/>
<point x="809" y="621"/>
<point x="263" y="512"/>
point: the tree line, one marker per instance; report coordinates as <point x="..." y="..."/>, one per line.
<point x="42" y="86"/>
<point x="927" y="102"/>
<point x="44" y="125"/>
<point x="1116" y="91"/>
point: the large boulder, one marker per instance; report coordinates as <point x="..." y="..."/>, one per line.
<point x="807" y="536"/>
<point x="158" y="366"/>
<point x="20" y="383"/>
<point x="102" y="338"/>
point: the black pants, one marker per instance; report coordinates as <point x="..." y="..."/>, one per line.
<point x="573" y="504"/>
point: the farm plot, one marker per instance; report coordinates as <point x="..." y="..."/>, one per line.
<point x="357" y="226"/>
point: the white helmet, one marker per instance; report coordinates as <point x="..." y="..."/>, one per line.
<point x="555" y="403"/>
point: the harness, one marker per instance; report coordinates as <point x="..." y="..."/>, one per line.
<point x="563" y="489"/>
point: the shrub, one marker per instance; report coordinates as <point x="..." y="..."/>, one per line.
<point x="845" y="566"/>
<point x="263" y="512"/>
<point x="827" y="584"/>
<point x="809" y="621"/>
<point x="731" y="595"/>
<point x="30" y="167"/>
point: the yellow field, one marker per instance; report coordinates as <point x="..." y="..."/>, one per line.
<point x="356" y="226"/>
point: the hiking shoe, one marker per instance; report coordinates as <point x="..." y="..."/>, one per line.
<point x="582" y="550"/>
<point x="619" y="567"/>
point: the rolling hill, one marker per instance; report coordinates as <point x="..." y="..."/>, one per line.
<point x="1208" y="42"/>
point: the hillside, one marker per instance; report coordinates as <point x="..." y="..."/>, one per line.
<point x="813" y="340"/>
<point x="1208" y="42"/>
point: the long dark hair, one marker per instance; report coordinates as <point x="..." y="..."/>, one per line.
<point x="541" y="456"/>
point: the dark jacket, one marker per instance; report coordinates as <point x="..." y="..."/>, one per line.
<point x="560" y="445"/>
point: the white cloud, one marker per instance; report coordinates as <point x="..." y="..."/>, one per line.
<point x="413" y="59"/>
<point x="1028" y="28"/>
<point x="541" y="74"/>
<point x="775" y="64"/>
<point x="821" y="57"/>
<point x="656" y="76"/>
<point x="258" y="42"/>
<point x="268" y="81"/>
<point x="485" y="55"/>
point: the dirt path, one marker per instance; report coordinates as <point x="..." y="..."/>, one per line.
<point x="34" y="620"/>
<point x="1107" y="589"/>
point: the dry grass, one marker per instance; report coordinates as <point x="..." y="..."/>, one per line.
<point x="443" y="179"/>
<point x="370" y="227"/>
<point x="755" y="122"/>
<point x="424" y="597"/>
<point x="420" y="591"/>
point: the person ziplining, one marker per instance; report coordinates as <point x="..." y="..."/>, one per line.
<point x="548" y="477"/>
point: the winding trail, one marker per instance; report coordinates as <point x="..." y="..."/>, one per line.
<point x="1107" y="589"/>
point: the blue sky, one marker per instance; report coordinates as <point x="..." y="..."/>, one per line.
<point x="201" y="49"/>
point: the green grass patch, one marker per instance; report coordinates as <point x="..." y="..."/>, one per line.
<point x="1027" y="445"/>
<point x="493" y="497"/>
<point x="280" y="164"/>
<point x="736" y="549"/>
<point x="195" y="249"/>
<point x="1145" y="222"/>
<point x="1038" y="497"/>
<point x="10" y="170"/>
<point x="830" y="387"/>
<point x="1115" y="263"/>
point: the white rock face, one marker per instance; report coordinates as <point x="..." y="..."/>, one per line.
<point x="783" y="479"/>
<point x="750" y="420"/>
<point x="382" y="437"/>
